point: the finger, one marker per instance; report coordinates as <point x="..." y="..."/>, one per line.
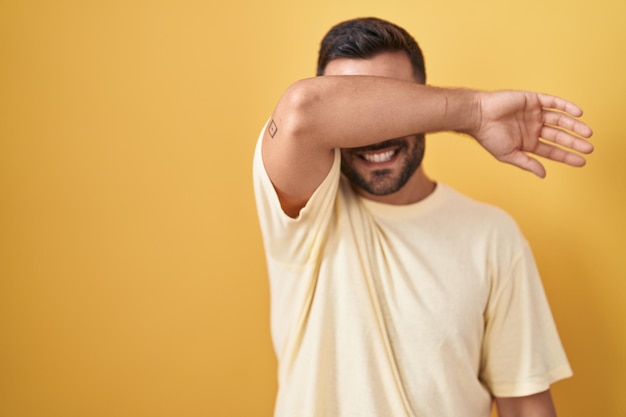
<point x="553" y="102"/>
<point x="565" y="139"/>
<point x="557" y="154"/>
<point x="521" y="160"/>
<point x="566" y="122"/>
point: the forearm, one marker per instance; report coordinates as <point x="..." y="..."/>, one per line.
<point x="350" y="111"/>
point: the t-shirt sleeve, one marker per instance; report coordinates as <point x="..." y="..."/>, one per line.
<point x="293" y="240"/>
<point x="522" y="352"/>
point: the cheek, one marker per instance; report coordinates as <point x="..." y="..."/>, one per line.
<point x="347" y="155"/>
<point x="416" y="142"/>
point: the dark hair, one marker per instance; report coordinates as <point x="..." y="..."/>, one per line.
<point x="366" y="37"/>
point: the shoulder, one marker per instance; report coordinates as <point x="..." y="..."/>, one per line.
<point x="474" y="210"/>
<point x="484" y="222"/>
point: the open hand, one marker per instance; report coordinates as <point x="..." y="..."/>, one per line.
<point x="513" y="125"/>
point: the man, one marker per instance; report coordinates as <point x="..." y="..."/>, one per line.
<point x="393" y="295"/>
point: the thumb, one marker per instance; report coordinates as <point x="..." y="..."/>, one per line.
<point x="525" y="162"/>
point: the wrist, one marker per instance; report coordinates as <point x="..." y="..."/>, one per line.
<point x="463" y="110"/>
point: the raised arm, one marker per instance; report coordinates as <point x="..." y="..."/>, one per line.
<point x="317" y="115"/>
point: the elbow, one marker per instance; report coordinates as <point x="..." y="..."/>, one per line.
<point x="296" y="110"/>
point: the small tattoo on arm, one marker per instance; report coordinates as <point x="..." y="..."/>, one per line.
<point x="272" y="128"/>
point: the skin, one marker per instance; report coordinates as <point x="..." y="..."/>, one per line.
<point x="384" y="177"/>
<point x="375" y="112"/>
<point x="361" y="102"/>
<point x="536" y="405"/>
<point x="380" y="174"/>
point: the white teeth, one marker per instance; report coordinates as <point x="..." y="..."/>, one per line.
<point x="379" y="157"/>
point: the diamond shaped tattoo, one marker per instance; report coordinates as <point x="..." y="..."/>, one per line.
<point x="272" y="129"/>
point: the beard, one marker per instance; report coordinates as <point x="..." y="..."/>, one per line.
<point x="384" y="181"/>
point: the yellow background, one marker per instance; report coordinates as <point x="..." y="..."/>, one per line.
<point x="132" y="277"/>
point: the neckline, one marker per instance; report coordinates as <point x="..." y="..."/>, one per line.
<point x="431" y="202"/>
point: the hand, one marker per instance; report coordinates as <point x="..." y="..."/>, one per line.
<point x="512" y="124"/>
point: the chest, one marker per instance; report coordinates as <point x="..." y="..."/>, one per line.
<point x="427" y="280"/>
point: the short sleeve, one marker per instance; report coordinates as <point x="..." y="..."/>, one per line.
<point x="522" y="352"/>
<point x="287" y="239"/>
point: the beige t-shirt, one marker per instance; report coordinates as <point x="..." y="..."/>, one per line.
<point x="425" y="309"/>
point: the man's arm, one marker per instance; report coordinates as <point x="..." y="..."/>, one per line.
<point x="537" y="405"/>
<point x="317" y="115"/>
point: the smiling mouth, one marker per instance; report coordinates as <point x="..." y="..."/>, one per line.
<point x="378" y="157"/>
